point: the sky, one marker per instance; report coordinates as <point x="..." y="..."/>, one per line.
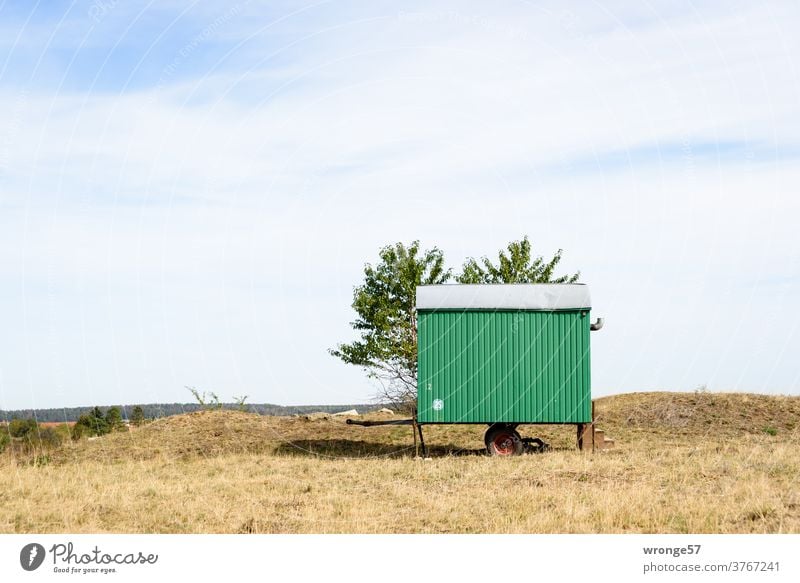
<point x="189" y="190"/>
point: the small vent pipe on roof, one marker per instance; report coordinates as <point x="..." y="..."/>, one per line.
<point x="597" y="325"/>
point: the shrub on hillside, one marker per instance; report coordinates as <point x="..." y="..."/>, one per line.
<point x="95" y="423"/>
<point x="22" y="428"/>
<point x="137" y="416"/>
<point x="48" y="438"/>
<point x="206" y="401"/>
<point x="114" y="419"/>
<point x="26" y="436"/>
<point x="90" y="424"/>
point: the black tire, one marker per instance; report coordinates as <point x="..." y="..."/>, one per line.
<point x="503" y="441"/>
<point x="493" y="428"/>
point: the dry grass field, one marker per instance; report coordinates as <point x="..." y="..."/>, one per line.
<point x="710" y="463"/>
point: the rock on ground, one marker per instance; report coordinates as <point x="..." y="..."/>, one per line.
<point x="350" y="413"/>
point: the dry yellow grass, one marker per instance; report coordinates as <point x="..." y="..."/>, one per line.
<point x="683" y="463"/>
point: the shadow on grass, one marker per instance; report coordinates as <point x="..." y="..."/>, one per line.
<point x="347" y="448"/>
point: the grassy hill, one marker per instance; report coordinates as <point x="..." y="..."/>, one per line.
<point x="683" y="462"/>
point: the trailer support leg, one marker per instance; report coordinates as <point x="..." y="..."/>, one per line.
<point x="586" y="434"/>
<point x="422" y="441"/>
<point x="586" y="437"/>
<point x="414" y="433"/>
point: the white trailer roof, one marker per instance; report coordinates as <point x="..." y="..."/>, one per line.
<point x="518" y="296"/>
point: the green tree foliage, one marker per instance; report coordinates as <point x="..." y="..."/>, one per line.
<point x="91" y="424"/>
<point x="5" y="439"/>
<point x="114" y="419"/>
<point x="515" y="264"/>
<point x="385" y="305"/>
<point x="137" y="416"/>
<point x="386" y="322"/>
<point x="23" y="428"/>
<point x="97" y="421"/>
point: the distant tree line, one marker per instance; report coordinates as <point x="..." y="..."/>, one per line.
<point x="157" y="410"/>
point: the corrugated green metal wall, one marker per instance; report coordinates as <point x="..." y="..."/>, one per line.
<point x="503" y="366"/>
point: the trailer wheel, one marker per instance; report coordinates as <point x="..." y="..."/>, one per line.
<point x="502" y="440"/>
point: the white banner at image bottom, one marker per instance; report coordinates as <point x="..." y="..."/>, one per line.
<point x="406" y="558"/>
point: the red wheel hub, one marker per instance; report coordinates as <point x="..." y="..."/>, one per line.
<point x="504" y="444"/>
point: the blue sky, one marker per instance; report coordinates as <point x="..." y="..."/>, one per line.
<point x="188" y="191"/>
